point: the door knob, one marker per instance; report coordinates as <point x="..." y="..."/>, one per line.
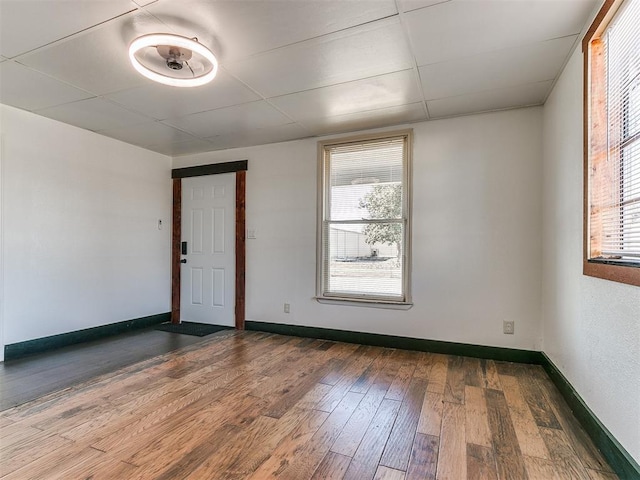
<point x="184" y="260"/>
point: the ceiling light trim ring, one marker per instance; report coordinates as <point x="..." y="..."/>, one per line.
<point x="155" y="39"/>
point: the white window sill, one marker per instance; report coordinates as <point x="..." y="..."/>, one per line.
<point x="356" y="302"/>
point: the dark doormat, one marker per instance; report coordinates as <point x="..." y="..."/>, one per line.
<point x="191" y="328"/>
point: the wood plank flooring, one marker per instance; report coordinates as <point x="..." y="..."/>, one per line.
<point x="31" y="377"/>
<point x="247" y="405"/>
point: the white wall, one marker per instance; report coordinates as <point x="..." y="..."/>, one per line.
<point x="476" y="233"/>
<point x="591" y="327"/>
<point x="1" y="248"/>
<point x="81" y="243"/>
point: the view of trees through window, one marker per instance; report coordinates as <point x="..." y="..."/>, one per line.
<point x="366" y="257"/>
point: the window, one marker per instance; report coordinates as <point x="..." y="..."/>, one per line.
<point x="363" y="219"/>
<point x="612" y="143"/>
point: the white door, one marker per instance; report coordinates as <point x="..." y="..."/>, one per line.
<point x="207" y="279"/>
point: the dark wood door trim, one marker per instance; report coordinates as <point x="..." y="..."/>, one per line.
<point x="176" y="232"/>
<point x="241" y="187"/>
<point x="212" y="169"/>
<point x="239" y="167"/>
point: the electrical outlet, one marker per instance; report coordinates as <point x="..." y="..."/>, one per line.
<point x="287" y="308"/>
<point x="508" y="328"/>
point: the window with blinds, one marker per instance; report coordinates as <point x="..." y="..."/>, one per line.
<point x="364" y="219"/>
<point x="614" y="137"/>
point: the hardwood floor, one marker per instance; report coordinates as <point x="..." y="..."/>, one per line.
<point x="31" y="377"/>
<point x="246" y="405"/>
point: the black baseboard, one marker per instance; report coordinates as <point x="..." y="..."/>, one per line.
<point x="619" y="459"/>
<point x="406" y="343"/>
<point x="38" y="345"/>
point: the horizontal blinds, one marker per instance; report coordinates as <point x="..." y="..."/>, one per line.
<point x="364" y="219"/>
<point x="356" y="169"/>
<point x="616" y="196"/>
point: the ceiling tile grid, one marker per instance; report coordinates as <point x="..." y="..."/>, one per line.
<point x="96" y="60"/>
<point x="388" y="90"/>
<point x="31" y="90"/>
<point x="240" y="29"/>
<point x="93" y="114"/>
<point x="260" y="136"/>
<point x="28" y="25"/>
<point x="162" y="102"/>
<point x="382" y="117"/>
<point x="520" y="65"/>
<point x="247" y="116"/>
<point x="288" y="69"/>
<point x="361" y="52"/>
<point x="521" y="95"/>
<point x="148" y="134"/>
<point x="461" y="28"/>
<point x="183" y="148"/>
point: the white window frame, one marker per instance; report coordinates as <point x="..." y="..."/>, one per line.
<point x="322" y="257"/>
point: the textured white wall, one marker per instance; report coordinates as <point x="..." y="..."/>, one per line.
<point x="1" y="248"/>
<point x="591" y="327"/>
<point x="476" y="233"/>
<point x="81" y="243"/>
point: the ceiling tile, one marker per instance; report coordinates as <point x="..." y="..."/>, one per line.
<point x="281" y="133"/>
<point x="97" y="60"/>
<point x="93" y="114"/>
<point x="503" y="68"/>
<point x="398" y="88"/>
<point x="183" y="148"/>
<point x="462" y="28"/>
<point x="161" y="101"/>
<point x="30" y="90"/>
<point x="408" y="5"/>
<point x="519" y="96"/>
<point x="382" y="117"/>
<point x="144" y="134"/>
<point x="235" y="30"/>
<point x="326" y="66"/>
<point x="238" y="118"/>
<point x="28" y="24"/>
<point x="360" y="52"/>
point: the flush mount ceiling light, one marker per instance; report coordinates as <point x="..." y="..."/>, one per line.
<point x="173" y="60"/>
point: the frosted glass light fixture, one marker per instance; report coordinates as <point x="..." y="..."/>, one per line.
<point x="173" y="60"/>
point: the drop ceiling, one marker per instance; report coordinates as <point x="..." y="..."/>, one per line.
<point x="288" y="69"/>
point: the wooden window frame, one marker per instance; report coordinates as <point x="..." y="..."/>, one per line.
<point x="595" y="149"/>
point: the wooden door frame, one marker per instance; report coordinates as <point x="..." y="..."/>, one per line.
<point x="177" y="174"/>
